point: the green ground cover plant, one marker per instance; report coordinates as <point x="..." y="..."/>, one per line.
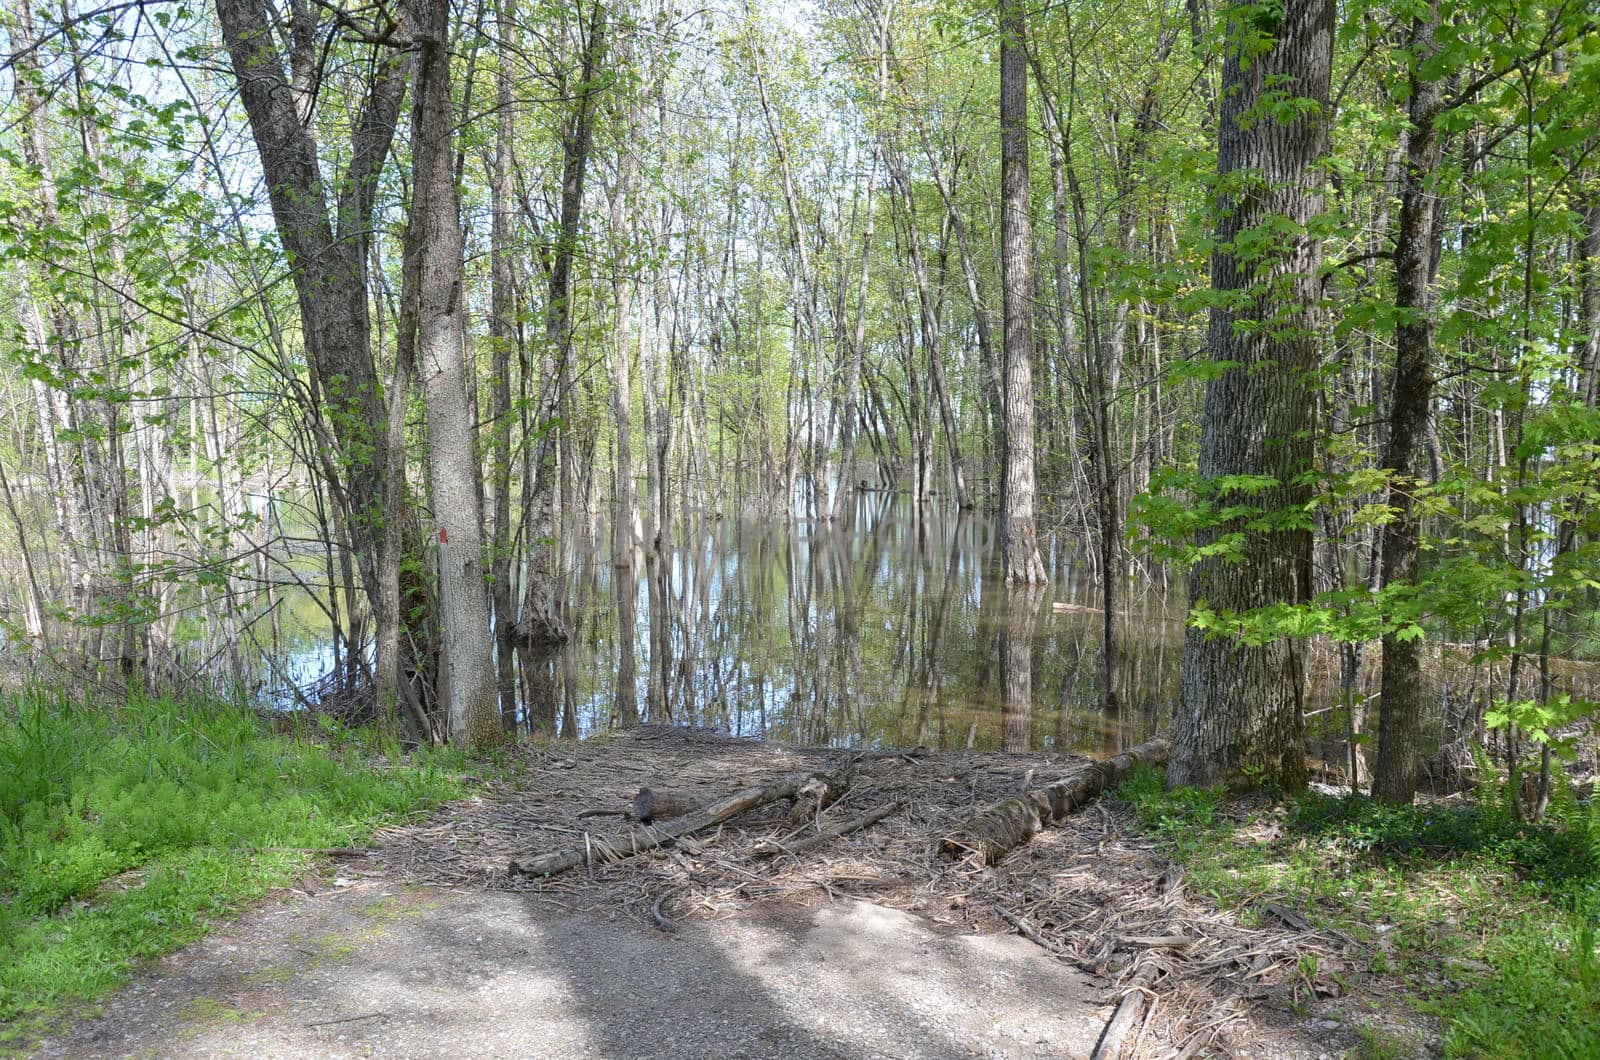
<point x="126" y="829"/>
<point x="1488" y="922"/>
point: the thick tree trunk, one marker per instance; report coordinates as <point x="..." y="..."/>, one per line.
<point x="1394" y="777"/>
<point x="1240" y="711"/>
<point x="472" y="704"/>
<point x="328" y="255"/>
<point x="1020" y="552"/>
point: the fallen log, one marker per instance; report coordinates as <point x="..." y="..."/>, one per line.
<point x="641" y="840"/>
<point x="652" y="805"/>
<point x="1134" y="1001"/>
<point x="994" y="832"/>
<point x="772" y="847"/>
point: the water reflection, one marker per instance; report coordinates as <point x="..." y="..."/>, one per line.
<point x="883" y="630"/>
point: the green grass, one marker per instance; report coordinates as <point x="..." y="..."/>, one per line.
<point x="127" y="829"/>
<point x="1484" y="921"/>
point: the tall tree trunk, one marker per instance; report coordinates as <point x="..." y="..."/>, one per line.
<point x="1394" y="777"/>
<point x="541" y="628"/>
<point x="623" y="284"/>
<point x="928" y="318"/>
<point x="1020" y="553"/>
<point x="1589" y="290"/>
<point x="969" y="273"/>
<point x="472" y="706"/>
<point x="1097" y="407"/>
<point x="844" y="484"/>
<point x="1240" y="709"/>
<point x="327" y="251"/>
<point x="502" y="338"/>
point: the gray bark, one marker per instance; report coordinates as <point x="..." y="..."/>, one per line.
<point x="1240" y="712"/>
<point x="1020" y="549"/>
<point x="503" y="339"/>
<point x="471" y="705"/>
<point x="1394" y="776"/>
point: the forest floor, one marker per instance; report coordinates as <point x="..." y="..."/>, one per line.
<point x="869" y="945"/>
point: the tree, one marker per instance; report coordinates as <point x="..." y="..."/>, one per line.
<point x="1020" y="548"/>
<point x="1240" y="709"/>
<point x="1411" y="401"/>
<point x="435" y="230"/>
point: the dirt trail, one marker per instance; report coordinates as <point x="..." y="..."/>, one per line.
<point x="869" y="946"/>
<point x="369" y="970"/>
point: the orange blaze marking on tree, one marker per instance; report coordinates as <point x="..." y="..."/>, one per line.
<point x="444" y="536"/>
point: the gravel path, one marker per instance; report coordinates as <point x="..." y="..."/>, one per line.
<point x="371" y="969"/>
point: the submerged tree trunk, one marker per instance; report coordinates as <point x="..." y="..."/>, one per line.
<point x="452" y="455"/>
<point x="1020" y="552"/>
<point x="325" y="233"/>
<point x="1240" y="706"/>
<point x="541" y="628"/>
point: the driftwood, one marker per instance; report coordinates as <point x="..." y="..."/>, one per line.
<point x="994" y="832"/>
<point x="817" y="795"/>
<point x="773" y="847"/>
<point x="1128" y="1011"/>
<point x="642" y="840"/>
<point x="650" y="805"/>
<point x="653" y="805"/>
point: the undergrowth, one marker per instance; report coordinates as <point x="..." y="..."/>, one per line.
<point x="126" y="829"/>
<point x="1487" y="921"/>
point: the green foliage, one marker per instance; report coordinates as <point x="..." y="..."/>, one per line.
<point x="1542" y="999"/>
<point x="125" y="829"/>
<point x="1538" y="719"/>
<point x="1549" y="853"/>
<point x="1174" y="812"/>
<point x="1505" y="910"/>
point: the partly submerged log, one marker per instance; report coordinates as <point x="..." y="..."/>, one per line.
<point x="992" y="833"/>
<point x="641" y="840"/>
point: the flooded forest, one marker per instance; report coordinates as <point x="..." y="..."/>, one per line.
<point x="857" y="373"/>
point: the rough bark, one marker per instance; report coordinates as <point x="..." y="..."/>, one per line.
<point x="1240" y="706"/>
<point x="472" y="703"/>
<point x="1589" y="293"/>
<point x="325" y="240"/>
<point x="327" y="253"/>
<point x="1020" y="549"/>
<point x="995" y="831"/>
<point x="1394" y="776"/>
